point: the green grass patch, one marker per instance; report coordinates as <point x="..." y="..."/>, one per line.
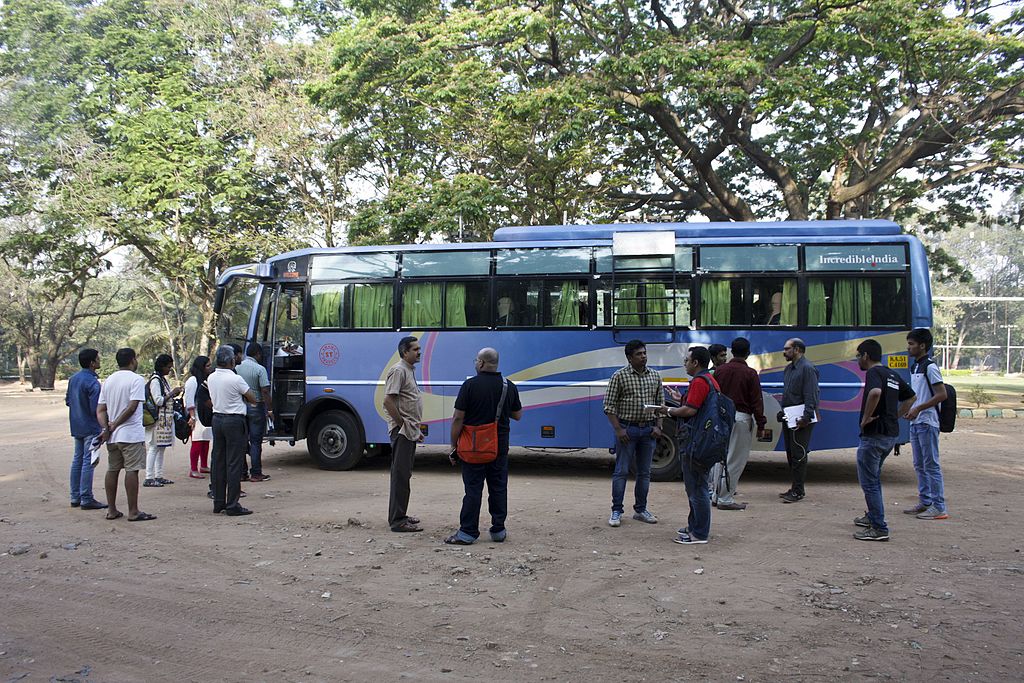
<point x="1006" y="392"/>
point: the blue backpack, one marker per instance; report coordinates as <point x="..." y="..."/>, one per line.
<point x="710" y="429"/>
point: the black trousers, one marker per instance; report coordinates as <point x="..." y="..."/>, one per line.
<point x="227" y="458"/>
<point x="403" y="452"/>
<point x="798" y="447"/>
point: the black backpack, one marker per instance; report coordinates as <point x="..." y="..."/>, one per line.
<point x="181" y="429"/>
<point x="204" y="406"/>
<point x="710" y="429"/>
<point x="947" y="409"/>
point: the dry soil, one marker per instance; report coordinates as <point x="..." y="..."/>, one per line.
<point x="314" y="586"/>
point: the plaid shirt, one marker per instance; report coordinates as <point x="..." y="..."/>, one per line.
<point x="628" y="391"/>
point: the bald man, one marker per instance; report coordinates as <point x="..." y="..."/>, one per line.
<point x="477" y="404"/>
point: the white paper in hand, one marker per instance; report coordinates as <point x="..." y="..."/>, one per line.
<point x="794" y="413"/>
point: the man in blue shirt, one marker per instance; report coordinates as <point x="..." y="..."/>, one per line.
<point x="81" y="398"/>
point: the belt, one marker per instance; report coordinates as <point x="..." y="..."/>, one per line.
<point x="626" y="423"/>
<point x="229" y="414"/>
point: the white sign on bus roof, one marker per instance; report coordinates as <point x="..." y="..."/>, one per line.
<point x="661" y="243"/>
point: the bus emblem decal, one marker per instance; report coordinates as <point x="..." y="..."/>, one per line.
<point x="329" y="354"/>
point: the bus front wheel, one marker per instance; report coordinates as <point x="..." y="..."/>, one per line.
<point x="666" y="466"/>
<point x="334" y="440"/>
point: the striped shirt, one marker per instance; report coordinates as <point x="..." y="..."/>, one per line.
<point x="628" y="391"/>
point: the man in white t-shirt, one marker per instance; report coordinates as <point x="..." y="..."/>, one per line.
<point x="119" y="412"/>
<point x="926" y="381"/>
<point x="228" y="393"/>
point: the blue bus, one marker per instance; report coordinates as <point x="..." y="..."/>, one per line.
<point x="559" y="303"/>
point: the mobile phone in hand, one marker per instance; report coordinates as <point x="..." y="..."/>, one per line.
<point x="453" y="456"/>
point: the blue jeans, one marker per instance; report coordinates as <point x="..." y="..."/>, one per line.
<point x="924" y="439"/>
<point x="696" y="482"/>
<point x="256" y="416"/>
<point x="473" y="478"/>
<point x="871" y="453"/>
<point x="641" y="448"/>
<point x="81" y="471"/>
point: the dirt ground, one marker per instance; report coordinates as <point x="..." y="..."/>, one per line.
<point x="314" y="586"/>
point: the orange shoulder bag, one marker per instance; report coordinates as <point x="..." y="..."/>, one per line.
<point x="478" y="445"/>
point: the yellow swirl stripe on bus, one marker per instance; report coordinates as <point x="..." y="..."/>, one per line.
<point x="662" y="356"/>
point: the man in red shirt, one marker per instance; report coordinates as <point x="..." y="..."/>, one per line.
<point x="740" y="383"/>
<point x="698" y="525"/>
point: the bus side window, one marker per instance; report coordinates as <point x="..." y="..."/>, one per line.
<point x="565" y="303"/>
<point x="517" y="303"/>
<point x="774" y="301"/>
<point x="856" y="301"/>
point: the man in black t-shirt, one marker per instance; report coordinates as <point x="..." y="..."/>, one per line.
<point x="477" y="404"/>
<point x="887" y="397"/>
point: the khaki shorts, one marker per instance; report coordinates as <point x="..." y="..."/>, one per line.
<point x="130" y="457"/>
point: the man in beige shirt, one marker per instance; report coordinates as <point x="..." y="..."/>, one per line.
<point x="404" y="412"/>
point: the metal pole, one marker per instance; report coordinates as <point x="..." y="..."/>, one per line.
<point x="945" y="356"/>
<point x="1007" y="350"/>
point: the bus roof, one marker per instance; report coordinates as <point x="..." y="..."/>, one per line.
<point x="765" y="232"/>
<point x="764" y="229"/>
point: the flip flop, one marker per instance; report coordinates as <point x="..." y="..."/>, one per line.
<point x="143" y="517"/>
<point x="117" y="515"/>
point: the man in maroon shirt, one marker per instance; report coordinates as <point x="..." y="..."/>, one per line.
<point x="740" y="383"/>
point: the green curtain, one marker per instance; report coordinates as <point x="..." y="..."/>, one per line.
<point x="421" y="305"/>
<point x="842" y="304"/>
<point x="567" y="310"/>
<point x="715" y="302"/>
<point x="627" y="306"/>
<point x="863" y="302"/>
<point x="657" y="305"/>
<point x="327" y="308"/>
<point x="789" y="303"/>
<point x="371" y="305"/>
<point x="815" y="303"/>
<point x="455" y="305"/>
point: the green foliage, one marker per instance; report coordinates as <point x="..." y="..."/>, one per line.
<point x="589" y="110"/>
<point x="978" y="395"/>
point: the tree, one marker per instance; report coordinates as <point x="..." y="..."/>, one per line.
<point x="729" y="110"/>
<point x="148" y="90"/>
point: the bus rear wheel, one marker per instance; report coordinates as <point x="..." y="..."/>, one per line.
<point x="665" y="465"/>
<point x="334" y="440"/>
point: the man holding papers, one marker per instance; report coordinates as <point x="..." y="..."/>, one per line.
<point x="800" y="388"/>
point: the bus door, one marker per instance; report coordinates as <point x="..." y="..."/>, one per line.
<point x="279" y="330"/>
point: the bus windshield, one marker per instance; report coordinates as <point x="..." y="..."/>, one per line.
<point x="236" y="308"/>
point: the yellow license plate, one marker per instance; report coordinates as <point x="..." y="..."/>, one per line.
<point x="898" y="362"/>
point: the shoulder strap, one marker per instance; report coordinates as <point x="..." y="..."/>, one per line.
<point x="501" y="401"/>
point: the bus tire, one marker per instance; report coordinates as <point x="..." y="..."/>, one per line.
<point x="334" y="440"/>
<point x="666" y="466"/>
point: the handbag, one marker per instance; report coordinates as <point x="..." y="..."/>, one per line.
<point x="478" y="445"/>
<point x="150" y="410"/>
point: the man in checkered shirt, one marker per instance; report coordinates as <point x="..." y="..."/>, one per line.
<point x="636" y="429"/>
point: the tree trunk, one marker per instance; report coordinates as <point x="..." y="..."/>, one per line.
<point x="22" y="364"/>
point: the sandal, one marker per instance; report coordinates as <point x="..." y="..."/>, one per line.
<point x="142" y="517"/>
<point x="116" y="515"/>
<point x="455" y="540"/>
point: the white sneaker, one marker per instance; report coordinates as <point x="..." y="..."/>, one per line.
<point x="615" y="519"/>
<point x="645" y="516"/>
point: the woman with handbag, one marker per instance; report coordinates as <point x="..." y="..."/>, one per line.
<point x="158" y="418"/>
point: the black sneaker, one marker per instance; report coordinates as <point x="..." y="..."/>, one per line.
<point x="791" y="497"/>
<point x="152" y="483"/>
<point x="863" y="521"/>
<point x="871" y="534"/>
<point x="786" y="493"/>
